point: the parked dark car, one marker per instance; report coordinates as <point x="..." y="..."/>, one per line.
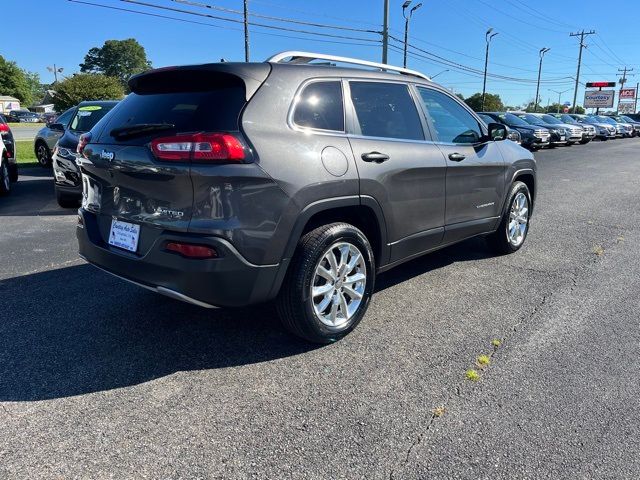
<point x="22" y="116"/>
<point x="558" y="134"/>
<point x="49" y="117"/>
<point x="532" y="137"/>
<point x="633" y="116"/>
<point x="47" y="136"/>
<point x="9" y="149"/>
<point x="68" y="185"/>
<point x="588" y="131"/>
<point x="512" y="134"/>
<point x="228" y="184"/>
<point x="604" y="131"/>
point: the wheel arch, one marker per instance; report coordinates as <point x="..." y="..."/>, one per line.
<point x="362" y="212"/>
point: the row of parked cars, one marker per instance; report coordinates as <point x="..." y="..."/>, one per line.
<point x="26" y="116"/>
<point x="540" y="130"/>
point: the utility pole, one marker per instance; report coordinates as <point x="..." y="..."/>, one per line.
<point x="635" y="104"/>
<point x="246" y="30"/>
<point x="488" y="37"/>
<point x="581" y="34"/>
<point x="385" y="32"/>
<point x="405" y="5"/>
<point x="542" y="52"/>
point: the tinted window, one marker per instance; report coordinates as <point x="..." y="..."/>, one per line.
<point x="452" y="122"/>
<point x="215" y="110"/>
<point x="87" y="116"/>
<point x="65" y="117"/>
<point x="386" y="110"/>
<point x="320" y="106"/>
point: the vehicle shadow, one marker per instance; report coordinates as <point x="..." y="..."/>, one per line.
<point x="85" y="331"/>
<point x="33" y="195"/>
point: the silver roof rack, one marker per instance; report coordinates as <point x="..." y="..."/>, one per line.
<point x="297" y="57"/>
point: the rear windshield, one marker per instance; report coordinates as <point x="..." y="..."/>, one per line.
<point x="215" y="109"/>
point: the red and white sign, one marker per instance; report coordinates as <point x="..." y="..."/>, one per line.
<point x="627" y="94"/>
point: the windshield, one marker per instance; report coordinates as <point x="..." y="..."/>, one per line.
<point x="532" y="119"/>
<point x="608" y="120"/>
<point x="87" y="116"/>
<point x="568" y="119"/>
<point x="551" y="120"/>
<point x="590" y="120"/>
<point x="512" y="120"/>
<point x="627" y="119"/>
<point x="487" y="119"/>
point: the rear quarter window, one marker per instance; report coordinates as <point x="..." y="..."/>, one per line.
<point x="320" y="106"/>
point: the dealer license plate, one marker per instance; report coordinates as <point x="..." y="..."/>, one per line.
<point x="124" y="235"/>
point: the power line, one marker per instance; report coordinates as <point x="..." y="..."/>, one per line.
<point x="288" y="8"/>
<point x="205" y="24"/>
<point x="269" y="17"/>
<point x="233" y="20"/>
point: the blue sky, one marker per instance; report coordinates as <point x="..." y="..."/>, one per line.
<point x="38" y="33"/>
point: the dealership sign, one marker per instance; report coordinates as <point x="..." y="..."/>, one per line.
<point x="626" y="107"/>
<point x="599" y="98"/>
<point x="627" y="94"/>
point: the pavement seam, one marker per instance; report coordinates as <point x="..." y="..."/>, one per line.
<point x="572" y="279"/>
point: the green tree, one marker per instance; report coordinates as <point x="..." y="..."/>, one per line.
<point x="35" y="86"/>
<point x="14" y="82"/>
<point x="492" y="102"/>
<point x="86" y="86"/>
<point x="117" y="58"/>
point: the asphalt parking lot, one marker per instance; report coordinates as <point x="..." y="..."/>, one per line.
<point x="101" y="379"/>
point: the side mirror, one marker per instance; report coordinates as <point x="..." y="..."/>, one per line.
<point x="58" y="127"/>
<point x="497" y="132"/>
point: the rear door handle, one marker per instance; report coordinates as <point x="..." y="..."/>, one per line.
<point x="376" y="157"/>
<point x="456" y="157"/>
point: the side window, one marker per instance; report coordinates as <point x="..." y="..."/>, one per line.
<point x="320" y="106"/>
<point x="452" y="122"/>
<point x="65" y="117"/>
<point x="386" y="110"/>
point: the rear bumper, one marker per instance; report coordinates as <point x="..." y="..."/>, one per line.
<point x="227" y="281"/>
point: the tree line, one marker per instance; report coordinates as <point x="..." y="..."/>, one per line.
<point x="103" y="76"/>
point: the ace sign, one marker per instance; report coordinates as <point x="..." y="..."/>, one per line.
<point x="627" y="94"/>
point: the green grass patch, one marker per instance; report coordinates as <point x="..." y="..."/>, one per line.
<point x="472" y="375"/>
<point x="483" y="361"/>
<point x="26" y="125"/>
<point x="25" y="154"/>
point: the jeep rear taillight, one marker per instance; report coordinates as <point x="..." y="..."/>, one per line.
<point x="199" y="147"/>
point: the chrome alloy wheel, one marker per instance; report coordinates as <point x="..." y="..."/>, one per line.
<point x="518" y="219"/>
<point x="41" y="154"/>
<point x="338" y="284"/>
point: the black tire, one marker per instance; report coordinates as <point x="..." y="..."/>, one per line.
<point x="295" y="303"/>
<point x="43" y="154"/>
<point x="13" y="172"/>
<point x="66" y="200"/>
<point x="5" y="179"/>
<point x="499" y="241"/>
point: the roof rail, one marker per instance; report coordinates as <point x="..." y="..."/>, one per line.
<point x="297" y="57"/>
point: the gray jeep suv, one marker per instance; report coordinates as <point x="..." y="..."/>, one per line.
<point x="229" y="184"/>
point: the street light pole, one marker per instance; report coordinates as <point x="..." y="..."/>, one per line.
<point x="246" y="30"/>
<point x="542" y="52"/>
<point x="439" y="73"/>
<point x="488" y="37"/>
<point x="405" y="5"/>
<point x="560" y="96"/>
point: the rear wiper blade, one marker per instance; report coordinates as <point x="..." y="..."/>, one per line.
<point x="140" y="129"/>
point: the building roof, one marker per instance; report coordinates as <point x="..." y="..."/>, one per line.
<point x="6" y="98"/>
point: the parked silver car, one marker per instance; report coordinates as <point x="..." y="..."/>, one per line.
<point x="47" y="137"/>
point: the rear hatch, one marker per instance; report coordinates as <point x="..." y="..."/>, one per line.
<point x="138" y="161"/>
